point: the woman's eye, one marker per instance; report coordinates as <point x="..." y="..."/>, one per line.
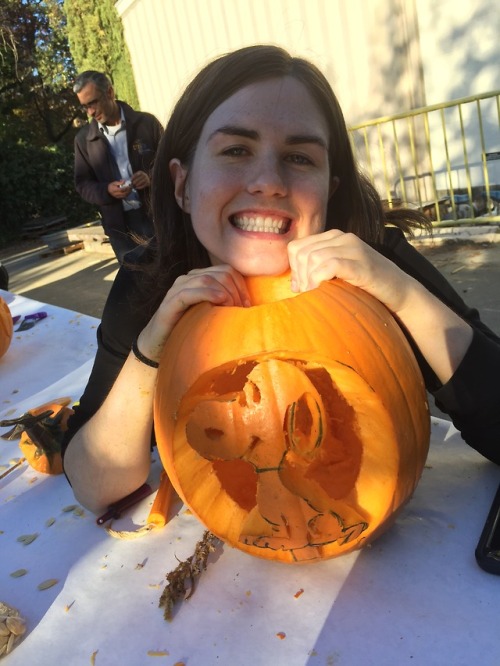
<point x="300" y="159"/>
<point x="235" y="151"/>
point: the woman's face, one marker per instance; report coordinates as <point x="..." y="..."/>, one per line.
<point x="259" y="177"/>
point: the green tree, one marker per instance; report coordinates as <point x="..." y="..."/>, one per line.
<point x="95" y="34"/>
<point x="37" y="110"/>
<point x="36" y="70"/>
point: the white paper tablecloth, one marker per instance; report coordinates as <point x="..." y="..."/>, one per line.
<point x="416" y="596"/>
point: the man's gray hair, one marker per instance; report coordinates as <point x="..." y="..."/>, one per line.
<point x="99" y="79"/>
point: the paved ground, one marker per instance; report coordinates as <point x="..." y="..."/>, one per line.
<point x="80" y="281"/>
<point x="474" y="270"/>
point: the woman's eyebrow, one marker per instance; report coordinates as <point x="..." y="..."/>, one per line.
<point x="292" y="140"/>
<point x="296" y="139"/>
<point x="235" y="130"/>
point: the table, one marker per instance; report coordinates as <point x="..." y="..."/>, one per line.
<point x="416" y="596"/>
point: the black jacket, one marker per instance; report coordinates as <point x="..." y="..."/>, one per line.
<point x="95" y="166"/>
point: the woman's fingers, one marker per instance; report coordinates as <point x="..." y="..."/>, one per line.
<point x="219" y="285"/>
<point x="302" y="253"/>
<point x="334" y="254"/>
<point x="323" y="257"/>
<point x="225" y="284"/>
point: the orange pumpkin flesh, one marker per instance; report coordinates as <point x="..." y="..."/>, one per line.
<point x="6" y="327"/>
<point x="47" y="459"/>
<point x="294" y="429"/>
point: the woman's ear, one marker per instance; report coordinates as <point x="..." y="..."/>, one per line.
<point x="179" y="173"/>
<point x="334" y="183"/>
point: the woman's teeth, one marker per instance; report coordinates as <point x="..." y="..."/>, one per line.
<point x="267" y="224"/>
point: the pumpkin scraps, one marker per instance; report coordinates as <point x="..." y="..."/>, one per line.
<point x="181" y="581"/>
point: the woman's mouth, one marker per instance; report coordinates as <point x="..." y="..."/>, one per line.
<point x="266" y="224"/>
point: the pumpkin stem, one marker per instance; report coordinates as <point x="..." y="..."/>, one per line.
<point x="185" y="573"/>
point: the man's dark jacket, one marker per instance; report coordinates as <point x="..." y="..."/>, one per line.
<point x="95" y="166"/>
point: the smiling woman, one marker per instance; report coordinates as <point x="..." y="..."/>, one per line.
<point x="255" y="176"/>
<point x="260" y="167"/>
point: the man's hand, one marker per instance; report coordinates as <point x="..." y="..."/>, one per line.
<point x="116" y="189"/>
<point x="140" y="180"/>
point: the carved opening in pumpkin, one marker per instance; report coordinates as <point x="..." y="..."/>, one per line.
<point x="284" y="455"/>
<point x="239" y="480"/>
<point x="333" y="459"/>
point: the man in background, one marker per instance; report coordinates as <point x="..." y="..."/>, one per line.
<point x="114" y="153"/>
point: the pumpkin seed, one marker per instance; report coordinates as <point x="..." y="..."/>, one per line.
<point x="10" y="644"/>
<point x="70" y="507"/>
<point x="50" y="522"/>
<point x="16" y="625"/>
<point x="18" y="573"/>
<point x="50" y="582"/>
<point x="26" y="539"/>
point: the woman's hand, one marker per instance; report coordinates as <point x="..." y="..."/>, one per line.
<point x="442" y="336"/>
<point x="334" y="253"/>
<point x="219" y="285"/>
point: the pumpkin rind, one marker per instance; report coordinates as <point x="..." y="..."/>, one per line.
<point x="6" y="327"/>
<point x="296" y="428"/>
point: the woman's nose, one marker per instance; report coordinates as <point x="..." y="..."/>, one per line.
<point x="267" y="178"/>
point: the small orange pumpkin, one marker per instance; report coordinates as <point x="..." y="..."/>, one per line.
<point x="6" y="327"/>
<point x="41" y="445"/>
<point x="294" y="429"/>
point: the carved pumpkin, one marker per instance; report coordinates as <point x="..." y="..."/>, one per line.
<point x="6" y="327"/>
<point x="294" y="429"/>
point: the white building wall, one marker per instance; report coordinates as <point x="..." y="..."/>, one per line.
<point x="368" y="49"/>
<point x="381" y="57"/>
<point x="460" y="47"/>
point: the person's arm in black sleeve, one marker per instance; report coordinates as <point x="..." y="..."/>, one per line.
<point x="121" y="323"/>
<point x="92" y="189"/>
<point x="471" y="398"/>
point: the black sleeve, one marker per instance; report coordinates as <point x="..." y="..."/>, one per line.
<point x="122" y="321"/>
<point x="471" y="398"/>
<point x="88" y="185"/>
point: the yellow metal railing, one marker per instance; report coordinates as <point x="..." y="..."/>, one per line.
<point x="443" y="159"/>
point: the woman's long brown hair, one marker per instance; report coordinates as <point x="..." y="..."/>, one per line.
<point x="355" y="206"/>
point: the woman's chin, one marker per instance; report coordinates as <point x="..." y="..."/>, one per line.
<point x="265" y="269"/>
